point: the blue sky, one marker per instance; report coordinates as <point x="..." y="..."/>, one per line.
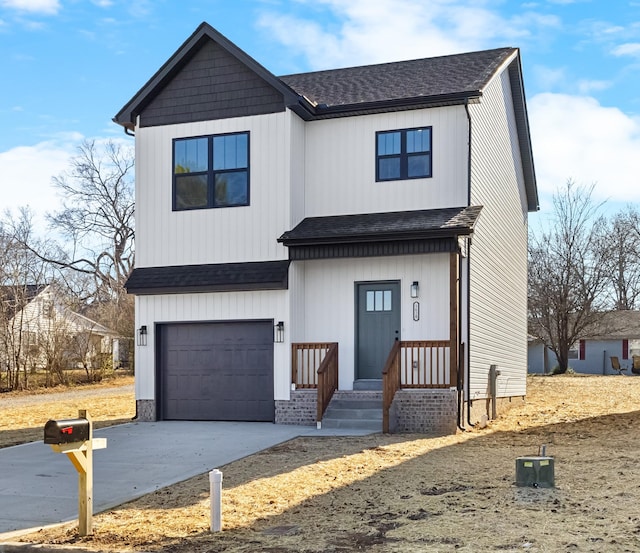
<point x="68" y="66"/>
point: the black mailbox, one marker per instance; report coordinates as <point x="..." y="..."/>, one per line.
<point x="66" y="431"/>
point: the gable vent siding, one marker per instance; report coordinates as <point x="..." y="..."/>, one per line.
<point x="212" y="85"/>
<point x="498" y="302"/>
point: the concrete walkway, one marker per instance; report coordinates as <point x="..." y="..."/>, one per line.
<point x="39" y="487"/>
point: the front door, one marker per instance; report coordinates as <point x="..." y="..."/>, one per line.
<point x="377" y="326"/>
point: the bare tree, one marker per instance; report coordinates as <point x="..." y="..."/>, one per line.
<point x="568" y="274"/>
<point x="97" y="221"/>
<point x="22" y="275"/>
<point x="623" y="245"/>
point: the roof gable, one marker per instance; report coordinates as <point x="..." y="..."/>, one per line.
<point x="203" y="58"/>
<point x="210" y="84"/>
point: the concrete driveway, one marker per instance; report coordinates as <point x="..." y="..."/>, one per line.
<point x="39" y="487"/>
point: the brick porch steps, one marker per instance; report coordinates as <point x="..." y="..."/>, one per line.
<point x="354" y="409"/>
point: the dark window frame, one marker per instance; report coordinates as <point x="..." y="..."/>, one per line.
<point x="210" y="173"/>
<point x="404" y="156"/>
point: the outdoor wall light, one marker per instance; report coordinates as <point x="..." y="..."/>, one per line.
<point x="142" y="335"/>
<point x="414" y="289"/>
<point x="278" y="334"/>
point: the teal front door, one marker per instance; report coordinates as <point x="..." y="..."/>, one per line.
<point x="377" y="326"/>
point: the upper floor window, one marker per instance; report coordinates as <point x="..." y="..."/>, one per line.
<point x="211" y="171"/>
<point x="403" y="154"/>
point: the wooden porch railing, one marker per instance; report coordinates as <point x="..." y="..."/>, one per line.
<point x="415" y="364"/>
<point x="315" y="365"/>
<point x="306" y="359"/>
<point x="327" y="380"/>
<point x="390" y="383"/>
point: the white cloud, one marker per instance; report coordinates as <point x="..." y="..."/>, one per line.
<point x="586" y="86"/>
<point x="27" y="172"/>
<point x="391" y="30"/>
<point x="629" y="49"/>
<point x="547" y="78"/>
<point x="575" y="137"/>
<point x="45" y="7"/>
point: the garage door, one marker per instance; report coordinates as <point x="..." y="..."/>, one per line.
<point x="217" y="371"/>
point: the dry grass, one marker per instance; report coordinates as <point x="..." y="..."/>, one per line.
<point x="24" y="414"/>
<point x="414" y="493"/>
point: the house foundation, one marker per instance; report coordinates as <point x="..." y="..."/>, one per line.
<point x="424" y="411"/>
<point x="482" y="409"/>
<point x="300" y="409"/>
<point x="146" y="410"/>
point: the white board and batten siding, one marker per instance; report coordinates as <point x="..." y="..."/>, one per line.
<point x="205" y="307"/>
<point x="340" y="175"/>
<point x="498" y="260"/>
<point x="226" y="235"/>
<point x="327" y="290"/>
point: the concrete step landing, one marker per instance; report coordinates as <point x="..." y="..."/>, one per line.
<point x="352" y="409"/>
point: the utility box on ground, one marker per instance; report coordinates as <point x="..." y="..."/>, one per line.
<point x="535" y="472"/>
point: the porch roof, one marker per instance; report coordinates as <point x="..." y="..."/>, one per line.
<point x="383" y="227"/>
<point x="261" y="275"/>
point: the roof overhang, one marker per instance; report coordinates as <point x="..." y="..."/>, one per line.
<point x="380" y="234"/>
<point x="219" y="277"/>
<point x="524" y="134"/>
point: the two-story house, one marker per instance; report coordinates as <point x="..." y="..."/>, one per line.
<point x="344" y="230"/>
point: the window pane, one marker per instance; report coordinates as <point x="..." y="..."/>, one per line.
<point x="418" y="166"/>
<point x="388" y="143"/>
<point x="191" y="155"/>
<point x="231" y="189"/>
<point x="387" y="300"/>
<point x="370" y="300"/>
<point x="191" y="192"/>
<point x="378" y="300"/>
<point x="419" y="140"/>
<point x="389" y="168"/>
<point x="230" y="151"/>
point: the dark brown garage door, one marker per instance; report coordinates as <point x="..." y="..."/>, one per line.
<point x="217" y="371"/>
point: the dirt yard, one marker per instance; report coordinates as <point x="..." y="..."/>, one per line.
<point x="410" y="493"/>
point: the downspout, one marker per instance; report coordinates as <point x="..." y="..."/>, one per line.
<point x="461" y="350"/>
<point x="468" y="342"/>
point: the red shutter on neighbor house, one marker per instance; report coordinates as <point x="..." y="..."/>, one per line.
<point x="625" y="349"/>
<point x="583" y="349"/>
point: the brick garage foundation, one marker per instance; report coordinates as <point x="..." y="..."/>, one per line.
<point x="146" y="410"/>
<point x="300" y="409"/>
<point x="424" y="411"/>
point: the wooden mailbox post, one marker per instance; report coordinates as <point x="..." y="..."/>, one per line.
<point x="74" y="437"/>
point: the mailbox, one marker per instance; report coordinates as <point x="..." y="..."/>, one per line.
<point x="66" y="431"/>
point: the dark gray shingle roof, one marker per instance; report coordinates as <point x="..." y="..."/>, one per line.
<point x="262" y="275"/>
<point x="427" y="223"/>
<point x="441" y="76"/>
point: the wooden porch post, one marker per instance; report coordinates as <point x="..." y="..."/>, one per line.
<point x="454" y="306"/>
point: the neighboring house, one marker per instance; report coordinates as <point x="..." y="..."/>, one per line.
<point x="618" y="335"/>
<point x="42" y="329"/>
<point x="372" y="219"/>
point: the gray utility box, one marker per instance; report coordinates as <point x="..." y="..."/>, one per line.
<point x="535" y="472"/>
